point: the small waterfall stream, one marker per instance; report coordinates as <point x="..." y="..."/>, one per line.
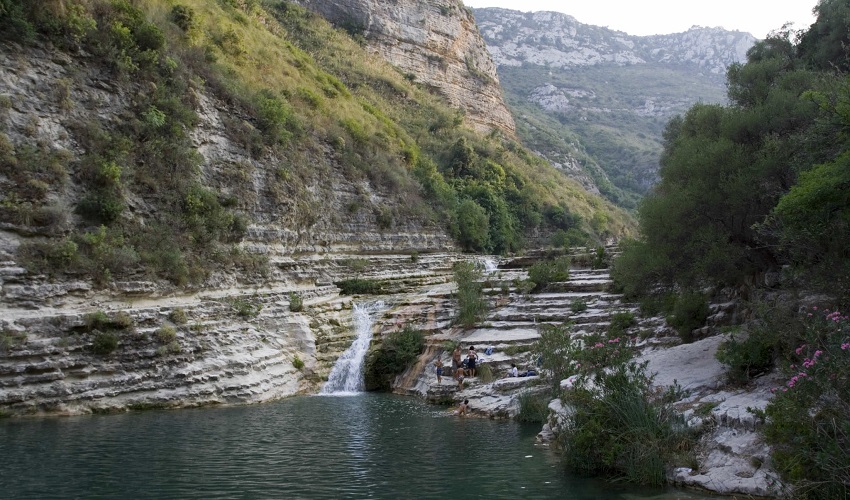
<point x="347" y="374"/>
<point x="489" y="264"/>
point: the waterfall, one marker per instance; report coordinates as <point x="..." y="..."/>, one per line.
<point x="489" y="264"/>
<point x="347" y="374"/>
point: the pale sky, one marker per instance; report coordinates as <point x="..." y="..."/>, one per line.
<point x="660" y="17"/>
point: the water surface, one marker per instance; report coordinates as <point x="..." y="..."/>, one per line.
<point x="365" y="446"/>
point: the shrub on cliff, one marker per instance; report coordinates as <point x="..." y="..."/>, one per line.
<point x="471" y="303"/>
<point x="398" y="350"/>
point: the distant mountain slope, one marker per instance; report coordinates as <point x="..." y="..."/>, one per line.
<point x="595" y="100"/>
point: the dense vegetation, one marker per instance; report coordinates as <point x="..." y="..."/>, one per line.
<point x="397" y="352"/>
<point x="616" y="141"/>
<point x="759" y="184"/>
<point x="619" y="426"/>
<point x="762" y="188"/>
<point x="295" y="88"/>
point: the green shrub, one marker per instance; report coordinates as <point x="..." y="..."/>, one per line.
<point x="620" y="428"/>
<point x="358" y="286"/>
<point x="178" y="316"/>
<point x="398" y="350"/>
<point x="533" y="408"/>
<point x="10" y="339"/>
<point x="296" y="303"/>
<point x="166" y="334"/>
<point x="600" y="260"/>
<point x="620" y="322"/>
<point x="484" y="373"/>
<point x="471" y="303"/>
<point x="297" y="362"/>
<point x="473" y="226"/>
<point x="689" y="313"/>
<point x="183" y="17"/>
<point x="543" y="273"/>
<point x="774" y="329"/>
<point x="808" y="420"/>
<point x="104" y="342"/>
<point x="578" y="306"/>
<point x="246" y="308"/>
<point x="99" y="320"/>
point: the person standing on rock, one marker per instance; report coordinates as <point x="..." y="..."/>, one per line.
<point x="456" y="360"/>
<point x="439" y="365"/>
<point x="471" y="358"/>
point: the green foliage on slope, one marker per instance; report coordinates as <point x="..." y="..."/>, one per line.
<point x="302" y="99"/>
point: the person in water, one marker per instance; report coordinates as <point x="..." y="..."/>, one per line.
<point x="439" y="365"/>
<point x="463" y="409"/>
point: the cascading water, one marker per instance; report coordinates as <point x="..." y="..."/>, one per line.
<point x="347" y="374"/>
<point x="489" y="265"/>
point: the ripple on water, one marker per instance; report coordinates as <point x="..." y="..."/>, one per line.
<point x="364" y="446"/>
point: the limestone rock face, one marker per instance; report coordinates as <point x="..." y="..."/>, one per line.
<point x="557" y="40"/>
<point x="70" y="346"/>
<point x="438" y="43"/>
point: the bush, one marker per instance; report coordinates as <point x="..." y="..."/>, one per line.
<point x="296" y="303"/>
<point x="104" y="343"/>
<point x="178" y="316"/>
<point x="620" y="322"/>
<point x="471" y="304"/>
<point x="99" y="320"/>
<point x="297" y="362"/>
<point x="398" y="350"/>
<point x="247" y="308"/>
<point x="543" y="273"/>
<point x="578" y="306"/>
<point x="533" y="408"/>
<point x="689" y="313"/>
<point x="774" y="330"/>
<point x="166" y="334"/>
<point x="808" y="420"/>
<point x="621" y="429"/>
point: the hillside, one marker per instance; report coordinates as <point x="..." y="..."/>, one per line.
<point x="595" y="101"/>
<point x="186" y="189"/>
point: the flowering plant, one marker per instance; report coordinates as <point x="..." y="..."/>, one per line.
<point x="808" y="421"/>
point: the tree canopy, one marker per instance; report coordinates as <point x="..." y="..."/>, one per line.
<point x="762" y="182"/>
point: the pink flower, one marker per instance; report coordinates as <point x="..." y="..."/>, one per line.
<point x="818" y="353"/>
<point x="799" y="350"/>
<point x="845" y="346"/>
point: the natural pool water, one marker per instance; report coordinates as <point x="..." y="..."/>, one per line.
<point x="362" y="446"/>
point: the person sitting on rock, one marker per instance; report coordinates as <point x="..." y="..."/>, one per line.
<point x="513" y="372"/>
<point x="463" y="409"/>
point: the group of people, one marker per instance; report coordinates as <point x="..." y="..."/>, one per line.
<point x="462" y="367"/>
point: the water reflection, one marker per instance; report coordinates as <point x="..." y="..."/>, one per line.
<point x="367" y="446"/>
